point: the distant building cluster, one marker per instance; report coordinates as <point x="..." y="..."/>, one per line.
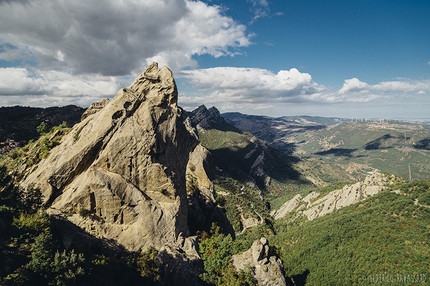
<point x="7" y="146"/>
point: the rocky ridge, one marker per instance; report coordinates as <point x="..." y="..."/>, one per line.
<point x="313" y="206"/>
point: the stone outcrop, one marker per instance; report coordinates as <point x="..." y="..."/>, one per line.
<point x="121" y="173"/>
<point x="203" y="118"/>
<point x="313" y="206"/>
<point x="287" y="207"/>
<point x="267" y="269"/>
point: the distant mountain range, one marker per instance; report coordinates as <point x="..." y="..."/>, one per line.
<point x="398" y="147"/>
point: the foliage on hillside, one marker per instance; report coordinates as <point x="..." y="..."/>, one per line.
<point x="216" y="250"/>
<point x="19" y="122"/>
<point x="241" y="202"/>
<point x="384" y="237"/>
<point x="21" y="159"/>
<point x="33" y="251"/>
<point x="387" y="234"/>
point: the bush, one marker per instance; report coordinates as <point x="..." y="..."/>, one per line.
<point x="146" y="264"/>
<point x="42" y="128"/>
<point x="216" y="252"/>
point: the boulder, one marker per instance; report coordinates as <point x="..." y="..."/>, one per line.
<point x="267" y="269"/>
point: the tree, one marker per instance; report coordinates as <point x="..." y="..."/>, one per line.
<point x="42" y="128"/>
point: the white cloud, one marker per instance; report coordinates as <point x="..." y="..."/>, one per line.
<point x="353" y="84"/>
<point x="234" y="82"/>
<point x="260" y="9"/>
<point x="49" y="88"/>
<point x="116" y="37"/>
<point x="67" y="44"/>
<point x="400" y="86"/>
<point x="203" y="30"/>
<point x="16" y="81"/>
<point x="254" y="90"/>
<point x="230" y="87"/>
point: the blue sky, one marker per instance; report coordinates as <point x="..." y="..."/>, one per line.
<point x="326" y="58"/>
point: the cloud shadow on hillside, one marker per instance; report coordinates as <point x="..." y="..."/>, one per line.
<point x="339" y="152"/>
<point x="378" y="142"/>
<point x="276" y="165"/>
<point x="423" y="144"/>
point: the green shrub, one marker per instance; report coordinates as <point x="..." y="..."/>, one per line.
<point x="146" y="264"/>
<point x="42" y="128"/>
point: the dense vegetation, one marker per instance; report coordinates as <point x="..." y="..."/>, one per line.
<point x="383" y="239"/>
<point x="385" y="236"/>
<point x="34" y="250"/>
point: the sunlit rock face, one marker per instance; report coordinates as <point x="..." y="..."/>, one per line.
<point x="121" y="172"/>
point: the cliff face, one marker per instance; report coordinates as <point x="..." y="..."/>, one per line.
<point x="121" y="172"/>
<point x="266" y="268"/>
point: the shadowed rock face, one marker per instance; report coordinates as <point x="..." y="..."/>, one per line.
<point x="126" y="164"/>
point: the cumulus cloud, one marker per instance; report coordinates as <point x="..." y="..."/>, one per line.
<point x="401" y="86"/>
<point x="255" y="89"/>
<point x="117" y="37"/>
<point x="48" y="88"/>
<point x="260" y="88"/>
<point x="79" y="41"/>
<point x="16" y="81"/>
<point x="353" y="84"/>
<point x="251" y="82"/>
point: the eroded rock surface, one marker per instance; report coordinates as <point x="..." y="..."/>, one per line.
<point x="267" y="269"/>
<point x="314" y="206"/>
<point x="121" y="172"/>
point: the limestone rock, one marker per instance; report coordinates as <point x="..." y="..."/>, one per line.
<point x="94" y="108"/>
<point x="209" y="118"/>
<point x="121" y="172"/>
<point x="267" y="269"/>
<point x="178" y="268"/>
<point x="287" y="207"/>
<point x="314" y="207"/>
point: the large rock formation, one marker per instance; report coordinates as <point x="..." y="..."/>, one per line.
<point x="203" y="118"/>
<point x="267" y="269"/>
<point x="121" y="172"/>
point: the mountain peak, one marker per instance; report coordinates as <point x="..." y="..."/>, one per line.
<point x="210" y="118"/>
<point x="126" y="164"/>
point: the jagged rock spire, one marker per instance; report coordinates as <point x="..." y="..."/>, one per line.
<point x="126" y="164"/>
